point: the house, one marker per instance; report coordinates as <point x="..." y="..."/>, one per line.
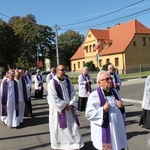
<point x="126" y="46"/>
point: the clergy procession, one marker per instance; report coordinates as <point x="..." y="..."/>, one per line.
<point x="102" y="107"/>
<point x="15" y="98"/>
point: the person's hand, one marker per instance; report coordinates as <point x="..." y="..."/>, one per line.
<point x="119" y="103"/>
<point x="116" y="85"/>
<point x="88" y="81"/>
<point x="68" y="107"/>
<point x="106" y="107"/>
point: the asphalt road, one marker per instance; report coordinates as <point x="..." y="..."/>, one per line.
<point x="34" y="132"/>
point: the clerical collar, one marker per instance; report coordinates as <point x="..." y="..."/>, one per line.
<point x="60" y="79"/>
<point x="86" y="75"/>
<point x="107" y="93"/>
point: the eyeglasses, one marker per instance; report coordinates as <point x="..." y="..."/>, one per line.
<point x="107" y="79"/>
<point x="61" y="70"/>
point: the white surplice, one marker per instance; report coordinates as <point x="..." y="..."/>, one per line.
<point x="94" y="113"/>
<point x="22" y="103"/>
<point x="63" y="138"/>
<point x="10" y="120"/>
<point x="82" y="85"/>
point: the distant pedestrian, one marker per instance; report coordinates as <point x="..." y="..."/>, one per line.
<point x="38" y="85"/>
<point x="28" y="106"/>
<point x="85" y="82"/>
<point x="51" y="74"/>
<point x="116" y="82"/>
<point x="145" y="115"/>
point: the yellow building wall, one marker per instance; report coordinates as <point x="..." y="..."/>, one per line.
<point x="138" y="55"/>
<point x="132" y="59"/>
<point x="112" y="60"/>
<point x="90" y="42"/>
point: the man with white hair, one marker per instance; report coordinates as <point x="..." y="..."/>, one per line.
<point x="51" y="74"/>
<point x="9" y="98"/>
<point x="116" y="82"/>
<point x="104" y="110"/>
<point x="85" y="82"/>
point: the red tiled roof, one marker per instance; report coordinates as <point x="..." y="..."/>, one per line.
<point x="100" y="34"/>
<point x="79" y="54"/>
<point x="122" y="34"/>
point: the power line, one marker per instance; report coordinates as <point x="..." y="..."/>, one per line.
<point x="122" y="18"/>
<point x="5" y="15"/>
<point x="104" y="14"/>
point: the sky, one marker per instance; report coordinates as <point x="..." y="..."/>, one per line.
<point x="78" y="15"/>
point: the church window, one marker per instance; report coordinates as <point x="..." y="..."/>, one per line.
<point x="143" y="42"/>
<point x="107" y="61"/>
<point x="78" y="64"/>
<point x="116" y="62"/>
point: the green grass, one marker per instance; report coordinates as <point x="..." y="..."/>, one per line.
<point x="122" y="76"/>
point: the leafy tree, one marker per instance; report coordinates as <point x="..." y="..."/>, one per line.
<point x="9" y="46"/>
<point x="90" y="65"/>
<point x="37" y="41"/>
<point x="46" y="46"/>
<point x="12" y="20"/>
<point x="105" y="67"/>
<point x="26" y="30"/>
<point x="68" y="44"/>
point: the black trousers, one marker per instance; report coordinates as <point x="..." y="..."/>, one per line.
<point x="82" y="103"/>
<point x="28" y="108"/>
<point x="38" y="94"/>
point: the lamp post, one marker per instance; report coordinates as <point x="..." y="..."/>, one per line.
<point x="56" y="35"/>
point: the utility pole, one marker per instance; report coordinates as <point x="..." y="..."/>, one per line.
<point x="56" y="35"/>
<point x="37" y="59"/>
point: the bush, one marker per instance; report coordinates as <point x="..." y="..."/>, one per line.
<point x="74" y="80"/>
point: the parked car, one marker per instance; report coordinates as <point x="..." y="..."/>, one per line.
<point x="33" y="76"/>
<point x="43" y="73"/>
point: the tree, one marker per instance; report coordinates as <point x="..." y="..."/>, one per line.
<point x="46" y="42"/>
<point x="68" y="44"/>
<point x="90" y="65"/>
<point x="105" y="67"/>
<point x="37" y="41"/>
<point x="9" y="46"/>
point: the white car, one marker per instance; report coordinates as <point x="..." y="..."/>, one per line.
<point x="44" y="75"/>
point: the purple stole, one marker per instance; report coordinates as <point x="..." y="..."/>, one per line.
<point x="87" y="86"/>
<point x="116" y="80"/>
<point x="62" y="116"/>
<point x="4" y="98"/>
<point x="106" y="140"/>
<point x="40" y="84"/>
<point x="24" y="89"/>
<point x="51" y="76"/>
<point x="38" y="78"/>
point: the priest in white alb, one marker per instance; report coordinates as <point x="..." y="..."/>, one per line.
<point x="105" y="112"/>
<point x="63" y="120"/>
<point x="9" y="99"/>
